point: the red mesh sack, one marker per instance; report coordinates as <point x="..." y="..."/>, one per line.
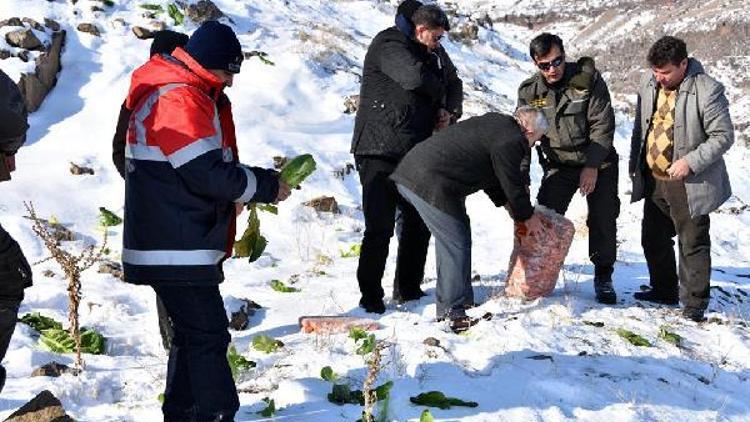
<point x="535" y="264"/>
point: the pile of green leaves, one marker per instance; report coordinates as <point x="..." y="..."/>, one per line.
<point x="440" y="400"/>
<point x="172" y="10"/>
<point x="366" y="341"/>
<point x="266" y="344"/>
<point x="60" y="341"/>
<point x="279" y="286"/>
<point x="341" y="393"/>
<point x="52" y="337"/>
<point x="633" y="338"/>
<point x="237" y="363"/>
<point x="40" y="322"/>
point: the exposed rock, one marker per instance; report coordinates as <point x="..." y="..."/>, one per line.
<point x="80" y="170"/>
<point x="142" y="33"/>
<point x="45" y="407"/>
<point x="52" y="369"/>
<point x="279" y="162"/>
<point x="36" y="86"/>
<point x="111" y="267"/>
<point x="465" y="32"/>
<point x="11" y="22"/>
<point x="431" y="341"/>
<point x="157" y="25"/>
<point x="89" y="28"/>
<point x="202" y="11"/>
<point x="34" y="24"/>
<point x="48" y="273"/>
<point x="51" y="24"/>
<point x="351" y="104"/>
<point x="241" y="317"/>
<point x="24" y="38"/>
<point x="5" y="54"/>
<point x="324" y="204"/>
<point x="96" y="9"/>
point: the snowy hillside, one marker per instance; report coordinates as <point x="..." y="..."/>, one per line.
<point x="556" y="358"/>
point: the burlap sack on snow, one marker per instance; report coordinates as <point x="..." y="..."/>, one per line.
<point x="535" y="264"/>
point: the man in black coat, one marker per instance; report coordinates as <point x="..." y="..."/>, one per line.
<point x="436" y="176"/>
<point x="165" y="41"/>
<point x="15" y="272"/>
<point x="409" y="89"/>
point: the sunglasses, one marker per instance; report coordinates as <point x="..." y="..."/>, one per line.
<point x="437" y="38"/>
<point x="556" y="62"/>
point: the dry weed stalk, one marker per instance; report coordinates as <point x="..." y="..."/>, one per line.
<point x="373" y="365"/>
<point x="72" y="266"/>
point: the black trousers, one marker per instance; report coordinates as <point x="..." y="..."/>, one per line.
<point x="665" y="215"/>
<point x="200" y="386"/>
<point x="380" y="203"/>
<point x="559" y="185"/>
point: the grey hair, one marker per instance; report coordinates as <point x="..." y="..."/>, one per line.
<point x="534" y="116"/>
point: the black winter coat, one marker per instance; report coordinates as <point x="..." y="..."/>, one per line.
<point x="12" y="116"/>
<point x="480" y="153"/>
<point x="403" y="86"/>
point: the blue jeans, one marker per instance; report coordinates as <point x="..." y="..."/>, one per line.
<point x="200" y="386"/>
<point x="452" y="252"/>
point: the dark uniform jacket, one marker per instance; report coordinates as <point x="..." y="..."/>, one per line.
<point x="403" y="86"/>
<point x="578" y="108"/>
<point x="480" y="153"/>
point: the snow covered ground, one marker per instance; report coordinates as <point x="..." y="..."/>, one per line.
<point x="556" y="358"/>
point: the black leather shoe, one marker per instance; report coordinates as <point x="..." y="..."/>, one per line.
<point x="694" y="314"/>
<point x="605" y="292"/>
<point x="656" y="297"/>
<point x="372" y="306"/>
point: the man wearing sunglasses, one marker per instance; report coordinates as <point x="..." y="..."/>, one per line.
<point x="577" y="151"/>
<point x="410" y="89"/>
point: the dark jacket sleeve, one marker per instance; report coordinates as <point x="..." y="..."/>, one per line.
<point x="118" y="141"/>
<point x="601" y="119"/>
<point x="454" y="88"/>
<point x="496" y="195"/>
<point x="635" y="139"/>
<point x="506" y="162"/>
<point x="400" y="64"/>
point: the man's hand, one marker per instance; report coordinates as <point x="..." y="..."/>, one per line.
<point x="587" y="182"/>
<point x="679" y="169"/>
<point x="443" y="120"/>
<point x="284" y="192"/>
<point x="10" y="162"/>
<point x="533" y="225"/>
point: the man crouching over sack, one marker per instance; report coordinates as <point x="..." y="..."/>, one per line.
<point x="436" y="176"/>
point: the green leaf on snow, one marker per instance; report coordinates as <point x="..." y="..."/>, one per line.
<point x="279" y="286"/>
<point x="633" y="338"/>
<point x="440" y="400"/>
<point x="266" y="344"/>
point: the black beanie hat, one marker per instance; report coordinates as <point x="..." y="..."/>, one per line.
<point x="407" y="8"/>
<point x="165" y="41"/>
<point x="215" y="46"/>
